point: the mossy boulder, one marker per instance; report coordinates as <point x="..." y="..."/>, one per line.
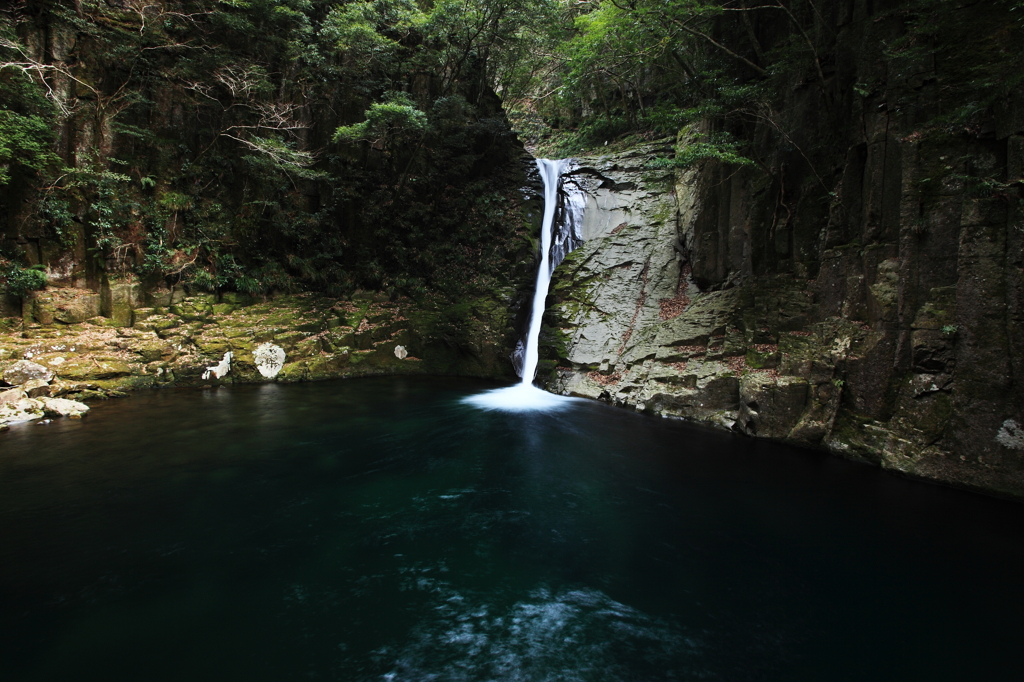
<point x="93" y="367"/>
<point x="119" y="300"/>
<point x="64" y="306"/>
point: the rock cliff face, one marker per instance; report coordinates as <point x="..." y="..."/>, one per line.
<point x="859" y="287"/>
<point x="899" y="346"/>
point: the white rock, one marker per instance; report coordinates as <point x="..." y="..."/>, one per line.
<point x="1011" y="435"/>
<point x="64" y="408"/>
<point x="22" y="410"/>
<point x="269" y="359"/>
<point x="56" y="361"/>
<point x="36" y="388"/>
<point x="400" y="352"/>
<point x="12" y="395"/>
<point x="23" y="370"/>
<point x="220" y="369"/>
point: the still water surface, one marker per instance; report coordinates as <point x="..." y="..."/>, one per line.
<point x="379" y="529"/>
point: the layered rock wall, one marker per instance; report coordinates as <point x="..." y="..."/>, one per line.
<point x="899" y="346"/>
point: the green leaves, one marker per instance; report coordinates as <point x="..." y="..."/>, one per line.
<point x="394" y="120"/>
<point x="27" y="120"/>
<point x="25" y="141"/>
<point x="369" y="32"/>
<point x="717" y="146"/>
<point x="20" y="281"/>
<point x="229" y="114"/>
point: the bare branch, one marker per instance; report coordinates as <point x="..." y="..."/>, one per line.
<point x="723" y="48"/>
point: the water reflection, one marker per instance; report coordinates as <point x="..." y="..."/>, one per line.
<point x="384" y="529"/>
<point x="569" y="635"/>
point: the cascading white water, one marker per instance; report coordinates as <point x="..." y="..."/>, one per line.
<point x="525" y="396"/>
<point x="550" y="172"/>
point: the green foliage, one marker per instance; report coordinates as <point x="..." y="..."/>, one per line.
<point x="55" y="213"/>
<point x="25" y="141"/>
<point x="26" y="118"/>
<point x="228" y="112"/>
<point x="19" y="281"/>
<point x="109" y="214"/>
<point x="366" y="32"/>
<point x="176" y="201"/>
<point x="715" y="146"/>
<point x="981" y="72"/>
<point x="394" y="120"/>
<point x="280" y="145"/>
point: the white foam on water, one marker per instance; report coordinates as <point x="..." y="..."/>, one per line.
<point x="519" y="398"/>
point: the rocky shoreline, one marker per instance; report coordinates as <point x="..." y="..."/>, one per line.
<point x="208" y="340"/>
<point x="32" y="396"/>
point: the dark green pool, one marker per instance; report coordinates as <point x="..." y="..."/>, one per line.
<point x="381" y="530"/>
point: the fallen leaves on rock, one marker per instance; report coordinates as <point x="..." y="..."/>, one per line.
<point x="605" y="379"/>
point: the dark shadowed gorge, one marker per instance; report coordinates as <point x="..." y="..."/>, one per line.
<point x="511" y="340"/>
<point x="804" y="219"/>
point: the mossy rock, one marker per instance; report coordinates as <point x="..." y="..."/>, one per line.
<point x="308" y="347"/>
<point x="153" y="350"/>
<point x="119" y="387"/>
<point x="758" y="360"/>
<point x="100" y="321"/>
<point x="938" y="312"/>
<point x="236" y="333"/>
<point x="289" y="339"/>
<point x="338" y="338"/>
<point x="212" y="345"/>
<point x="293" y="372"/>
<point x="193" y="309"/>
<point x="158" y="323"/>
<point x="240" y="321"/>
<point x="242" y="346"/>
<point x="236" y="299"/>
<point x="361" y="356"/>
<point x="327" y="367"/>
<point x="92" y="368"/>
<point x="285" y="318"/>
<point x="224" y="308"/>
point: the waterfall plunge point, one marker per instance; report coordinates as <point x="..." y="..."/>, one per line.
<point x="524" y="396"/>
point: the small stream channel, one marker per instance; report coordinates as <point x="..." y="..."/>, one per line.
<point x="381" y="529"/>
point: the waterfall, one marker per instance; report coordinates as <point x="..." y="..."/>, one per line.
<point x="550" y="172"/>
<point x="561" y="232"/>
<point x="557" y="239"/>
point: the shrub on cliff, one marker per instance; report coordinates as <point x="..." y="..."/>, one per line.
<point x="19" y="281"/>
